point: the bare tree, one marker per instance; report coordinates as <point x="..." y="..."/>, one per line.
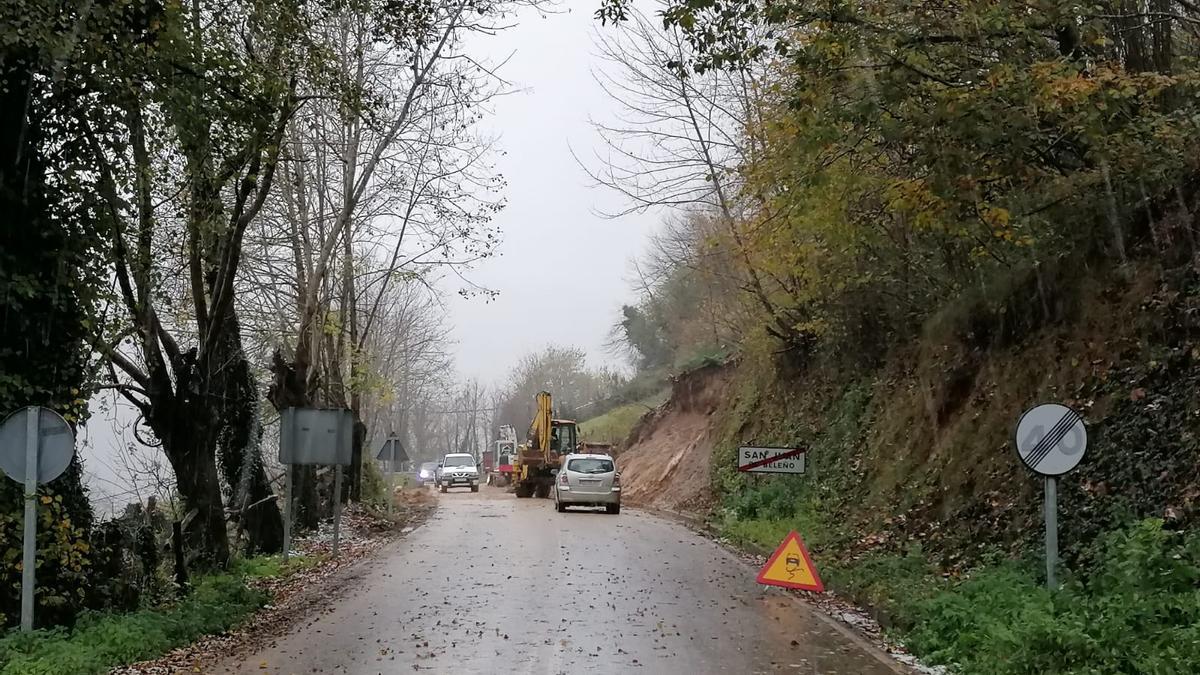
<point x="563" y="372"/>
<point x="378" y="191"/>
<point x="407" y="363"/>
<point x="679" y="143"/>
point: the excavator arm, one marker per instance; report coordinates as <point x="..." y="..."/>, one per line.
<point x="548" y="440"/>
<point x="542" y="426"/>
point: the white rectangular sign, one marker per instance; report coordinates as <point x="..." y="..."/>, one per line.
<point x="771" y="460"/>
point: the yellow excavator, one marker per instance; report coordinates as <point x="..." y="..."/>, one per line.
<point x="541" y="454"/>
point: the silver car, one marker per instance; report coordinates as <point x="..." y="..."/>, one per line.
<point x="588" y="480"/>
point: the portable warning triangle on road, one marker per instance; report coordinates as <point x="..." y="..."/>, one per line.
<point x="789" y="566"/>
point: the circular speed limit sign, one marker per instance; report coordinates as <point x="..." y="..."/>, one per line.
<point x="1051" y="439"/>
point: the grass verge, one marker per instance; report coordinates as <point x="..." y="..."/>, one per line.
<point x="102" y="641"/>
<point x="1135" y="608"/>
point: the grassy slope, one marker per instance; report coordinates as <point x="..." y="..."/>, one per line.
<point x="615" y="425"/>
<point x="916" y="505"/>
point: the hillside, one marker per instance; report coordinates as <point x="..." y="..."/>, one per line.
<point x="913" y="477"/>
<point x="613" y="427"/>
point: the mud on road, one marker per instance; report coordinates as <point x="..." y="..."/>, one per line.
<point x="496" y="584"/>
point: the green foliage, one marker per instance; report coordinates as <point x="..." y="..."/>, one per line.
<point x="897" y="166"/>
<point x="769" y="419"/>
<point x="100" y="642"/>
<point x="644" y="336"/>
<point x="50" y="284"/>
<point x="63" y="562"/>
<point x="272" y="566"/>
<point x="1140" y="613"/>
<point x="374" y="486"/>
<point x="764" y="531"/>
<point x="702" y="356"/>
<point x="1130" y="604"/>
<point x="919" y="189"/>
<point x="564" y="373"/>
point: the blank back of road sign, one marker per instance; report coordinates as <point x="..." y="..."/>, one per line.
<point x="791" y="567"/>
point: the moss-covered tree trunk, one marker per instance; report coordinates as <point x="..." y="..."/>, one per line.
<point x="186" y="425"/>
<point x="250" y="496"/>
<point x="48" y="282"/>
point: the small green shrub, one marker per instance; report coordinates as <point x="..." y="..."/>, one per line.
<point x="272" y="566"/>
<point x="891" y="585"/>
<point x="374" y="485"/>
<point x="63" y="554"/>
<point x="702" y="356"/>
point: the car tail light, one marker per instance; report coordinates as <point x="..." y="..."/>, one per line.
<point x="562" y="479"/>
<point x="616" y="480"/>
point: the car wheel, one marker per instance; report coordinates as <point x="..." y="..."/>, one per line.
<point x="613" y="509"/>
<point x="474" y="488"/>
<point x="559" y="506"/>
<point x="444" y="489"/>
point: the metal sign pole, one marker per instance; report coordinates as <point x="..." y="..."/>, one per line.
<point x="287" y="511"/>
<point x="36" y="446"/>
<point x="391" y="494"/>
<point x="28" y="561"/>
<point x="337" y="507"/>
<point x="1051" y="532"/>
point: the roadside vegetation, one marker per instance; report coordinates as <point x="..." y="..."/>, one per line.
<point x="100" y="641"/>
<point x="901" y="230"/>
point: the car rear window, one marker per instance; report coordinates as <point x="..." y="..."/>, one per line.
<point x="590" y="465"/>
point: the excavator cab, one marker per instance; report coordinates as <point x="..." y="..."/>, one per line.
<point x="563" y="437"/>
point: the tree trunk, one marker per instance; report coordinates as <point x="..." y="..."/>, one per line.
<point x="293" y="389"/>
<point x="353" y="490"/>
<point x="189" y="447"/>
<point x="251" y="499"/>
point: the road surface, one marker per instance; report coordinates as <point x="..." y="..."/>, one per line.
<point x="496" y="584"/>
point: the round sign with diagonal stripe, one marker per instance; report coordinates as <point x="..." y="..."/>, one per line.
<point x="1051" y="439"/>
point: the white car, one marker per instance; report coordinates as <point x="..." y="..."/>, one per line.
<point x="458" y="470"/>
<point x="588" y="480"/>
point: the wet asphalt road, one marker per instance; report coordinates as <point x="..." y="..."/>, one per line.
<point x="496" y="584"/>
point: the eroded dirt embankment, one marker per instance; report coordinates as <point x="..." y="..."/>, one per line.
<point x="668" y="457"/>
<point x="917" y="450"/>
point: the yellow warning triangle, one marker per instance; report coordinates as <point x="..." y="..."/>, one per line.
<point x="789" y="566"/>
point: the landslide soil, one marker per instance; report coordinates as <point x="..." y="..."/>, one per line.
<point x="668" y="457"/>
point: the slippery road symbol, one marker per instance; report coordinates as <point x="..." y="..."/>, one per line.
<point x="791" y="567"/>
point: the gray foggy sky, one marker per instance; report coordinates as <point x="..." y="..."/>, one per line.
<point x="556" y="252"/>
